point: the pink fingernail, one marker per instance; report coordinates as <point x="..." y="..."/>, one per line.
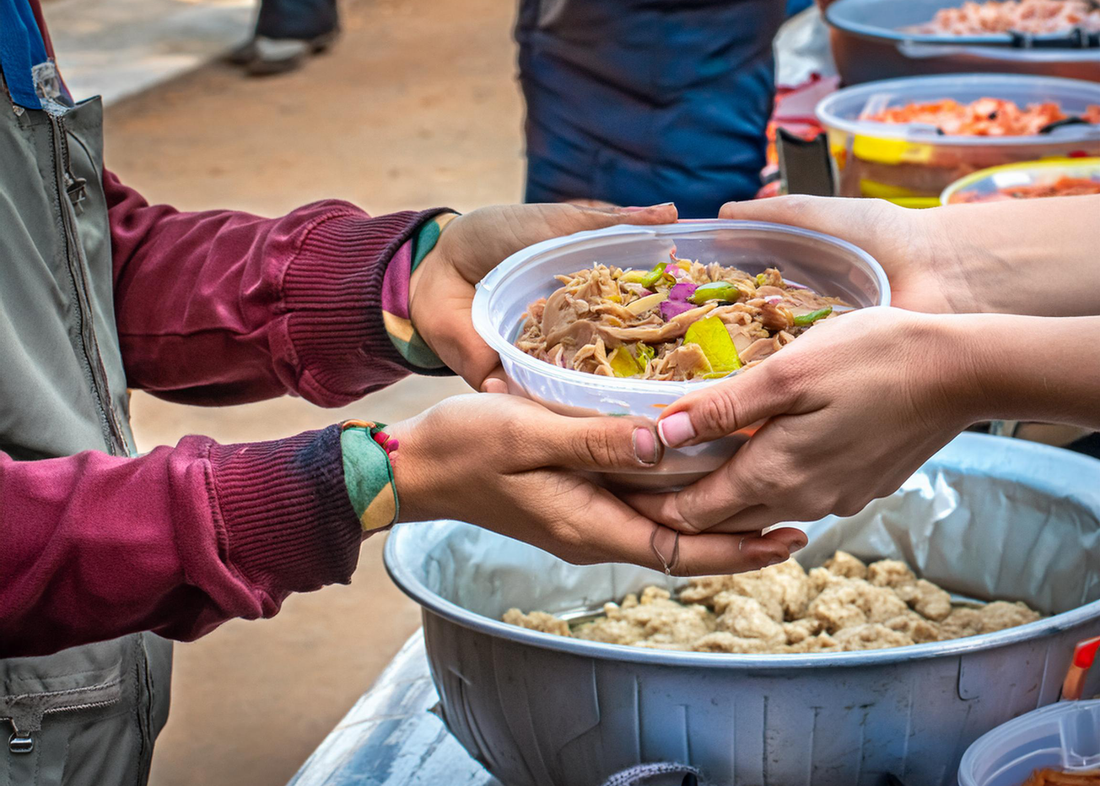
<point x="676" y="430"/>
<point x="635" y="209"/>
<point x="645" y="446"/>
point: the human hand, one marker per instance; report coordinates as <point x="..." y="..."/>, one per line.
<point x="507" y="464"/>
<point x="923" y="275"/>
<point x="442" y="288"/>
<point x="1018" y="256"/>
<point x="852" y="409"/>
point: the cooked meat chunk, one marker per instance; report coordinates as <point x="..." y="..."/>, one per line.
<point x="844" y="606"/>
<point x="844" y="564"/>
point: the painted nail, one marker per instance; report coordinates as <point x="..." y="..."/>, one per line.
<point x="676" y="429"/>
<point x="645" y="446"/>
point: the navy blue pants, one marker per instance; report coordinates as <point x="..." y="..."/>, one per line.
<point x="303" y="19"/>
<point x="637" y="102"/>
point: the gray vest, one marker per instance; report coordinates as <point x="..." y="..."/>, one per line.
<point x="87" y="716"/>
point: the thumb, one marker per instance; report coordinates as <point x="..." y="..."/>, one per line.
<point x="598" y="443"/>
<point x="567" y="219"/>
<point x="719" y="410"/>
<point x="857" y="220"/>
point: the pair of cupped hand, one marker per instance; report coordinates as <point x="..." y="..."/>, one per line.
<point x="847" y="410"/>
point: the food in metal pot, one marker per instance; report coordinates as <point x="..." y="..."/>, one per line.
<point x="682" y="320"/>
<point x="844" y="606"/>
<point x="984" y="117"/>
<point x="1034" y="17"/>
<point x="1050" y="777"/>
<point x="1063" y="186"/>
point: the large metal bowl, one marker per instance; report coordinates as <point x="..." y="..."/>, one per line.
<point x="869" y="44"/>
<point x="987" y="518"/>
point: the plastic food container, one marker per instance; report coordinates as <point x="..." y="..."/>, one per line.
<point x="988" y="183"/>
<point x="868" y="44"/>
<point x="1065" y="736"/>
<point x="912" y="164"/>
<point x="987" y="517"/>
<point x="826" y="264"/>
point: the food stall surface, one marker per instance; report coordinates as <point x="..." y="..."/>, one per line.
<point x="391" y="737"/>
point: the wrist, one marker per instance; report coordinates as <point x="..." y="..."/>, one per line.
<point x="955" y="367"/>
<point x="428" y="255"/>
<point x="941" y="245"/>
<point x="368" y="474"/>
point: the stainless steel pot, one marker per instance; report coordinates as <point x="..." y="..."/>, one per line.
<point x="987" y="517"/>
<point x="868" y="45"/>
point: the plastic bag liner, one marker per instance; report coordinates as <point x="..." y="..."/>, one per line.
<point x="986" y="518"/>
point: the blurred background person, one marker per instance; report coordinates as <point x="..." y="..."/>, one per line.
<point x="287" y="33"/>
<point x="635" y="103"/>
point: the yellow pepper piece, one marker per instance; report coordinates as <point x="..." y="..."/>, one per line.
<point x="623" y="363"/>
<point x="713" y="338"/>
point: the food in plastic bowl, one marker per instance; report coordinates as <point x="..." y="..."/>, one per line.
<point x="824" y="264"/>
<point x="906" y="140"/>
<point x="1029" y="180"/>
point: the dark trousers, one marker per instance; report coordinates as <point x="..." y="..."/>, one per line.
<point x="296" y="18"/>
<point x="643" y="101"/>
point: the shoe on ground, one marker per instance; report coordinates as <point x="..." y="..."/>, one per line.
<point x="269" y="56"/>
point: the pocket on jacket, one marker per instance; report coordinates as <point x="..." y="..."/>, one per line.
<point x="74" y="718"/>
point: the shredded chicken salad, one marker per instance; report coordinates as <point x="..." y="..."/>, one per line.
<point x="1035" y="17"/>
<point x="682" y="320"/>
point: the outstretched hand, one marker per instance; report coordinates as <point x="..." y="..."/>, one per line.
<point x="442" y="290"/>
<point x="514" y="467"/>
<point x="849" y="411"/>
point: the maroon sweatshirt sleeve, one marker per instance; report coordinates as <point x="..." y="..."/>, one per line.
<point x="224" y="307"/>
<point x="176" y="541"/>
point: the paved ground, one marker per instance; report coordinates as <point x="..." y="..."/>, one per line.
<point x="118" y="48"/>
<point x="416" y="107"/>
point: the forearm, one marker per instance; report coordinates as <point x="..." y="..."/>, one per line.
<point x="224" y="307"/>
<point x="176" y="541"/>
<point x="1025" y="368"/>
<point x="1037" y="256"/>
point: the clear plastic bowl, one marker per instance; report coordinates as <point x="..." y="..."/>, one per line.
<point x="826" y="264"/>
<point x="1063" y="736"/>
<point x="912" y="164"/>
<point x="987" y="183"/>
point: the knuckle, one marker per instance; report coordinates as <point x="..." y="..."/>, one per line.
<point x="718" y="412"/>
<point x="599" y="446"/>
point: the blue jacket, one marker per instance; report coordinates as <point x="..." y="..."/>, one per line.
<point x="643" y="101"/>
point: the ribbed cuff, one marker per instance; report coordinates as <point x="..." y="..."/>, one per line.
<point x="289" y="524"/>
<point x="333" y="293"/>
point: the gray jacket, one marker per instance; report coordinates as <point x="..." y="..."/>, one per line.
<point x="87" y="716"/>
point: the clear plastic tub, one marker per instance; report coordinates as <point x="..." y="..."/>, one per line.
<point x="869" y="43"/>
<point x="912" y="164"/>
<point x="988" y="185"/>
<point x="1063" y="736"/>
<point x="826" y="264"/>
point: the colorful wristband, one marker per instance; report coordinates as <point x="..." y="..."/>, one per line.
<point x="395" y="295"/>
<point x="368" y="453"/>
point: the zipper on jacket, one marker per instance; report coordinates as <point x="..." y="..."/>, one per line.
<point x="23" y="742"/>
<point x="71" y="192"/>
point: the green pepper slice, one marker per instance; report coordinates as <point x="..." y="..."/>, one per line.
<point x="718" y="290"/>
<point x="813" y="316"/>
